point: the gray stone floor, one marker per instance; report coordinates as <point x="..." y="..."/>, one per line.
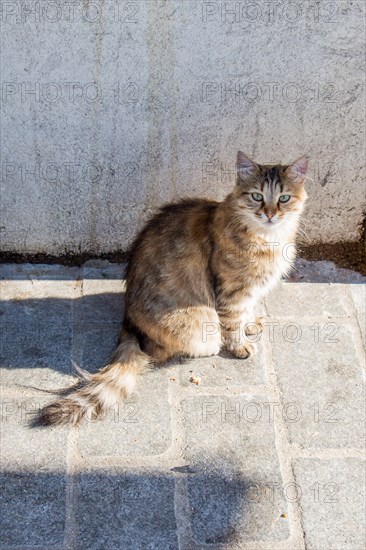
<point x="262" y="454"/>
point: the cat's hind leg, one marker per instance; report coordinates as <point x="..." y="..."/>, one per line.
<point x="191" y="331"/>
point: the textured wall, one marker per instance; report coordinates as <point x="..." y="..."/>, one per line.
<point x="110" y="108"/>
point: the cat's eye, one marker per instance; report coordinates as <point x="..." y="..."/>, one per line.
<point x="284" y="198"/>
<point x="257" y="196"/>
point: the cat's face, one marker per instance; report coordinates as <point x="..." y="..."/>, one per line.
<point x="270" y="197"/>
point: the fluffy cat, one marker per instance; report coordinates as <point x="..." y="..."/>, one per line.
<point x="195" y="274"/>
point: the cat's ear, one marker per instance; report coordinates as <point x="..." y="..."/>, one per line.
<point x="297" y="170"/>
<point x="245" y="166"/>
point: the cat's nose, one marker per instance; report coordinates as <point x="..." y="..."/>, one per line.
<point x="270" y="215"/>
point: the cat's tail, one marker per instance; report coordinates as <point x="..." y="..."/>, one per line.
<point x="93" y="396"/>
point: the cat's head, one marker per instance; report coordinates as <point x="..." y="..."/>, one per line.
<point x="270" y="197"/>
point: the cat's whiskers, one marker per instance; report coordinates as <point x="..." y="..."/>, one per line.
<point x="301" y="230"/>
<point x="237" y="222"/>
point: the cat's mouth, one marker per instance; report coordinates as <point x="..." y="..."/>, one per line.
<point x="268" y="221"/>
<point x="271" y="222"/>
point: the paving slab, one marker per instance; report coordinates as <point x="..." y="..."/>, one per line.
<point x="141" y="426"/>
<point x="320" y="375"/>
<point x="136" y="511"/>
<point x="30" y="450"/>
<point x="103" y="269"/>
<point x="235" y="484"/>
<point x="101" y="300"/>
<point x="332" y="498"/>
<point x="38" y="272"/>
<point x="36" y="314"/>
<point x="224" y="371"/>
<point x="307" y="300"/>
<point x="36" y="340"/>
<point x="32" y="509"/>
<point x="94" y="342"/>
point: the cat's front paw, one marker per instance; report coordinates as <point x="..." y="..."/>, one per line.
<point x="243" y="350"/>
<point x="255" y="328"/>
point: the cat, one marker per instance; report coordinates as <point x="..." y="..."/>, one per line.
<point x="195" y="273"/>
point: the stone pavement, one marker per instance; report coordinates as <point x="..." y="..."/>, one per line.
<point x="266" y="453"/>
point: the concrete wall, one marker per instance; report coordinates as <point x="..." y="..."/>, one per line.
<point x="110" y="108"/>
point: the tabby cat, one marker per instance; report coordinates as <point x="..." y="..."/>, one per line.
<point x="195" y="273"/>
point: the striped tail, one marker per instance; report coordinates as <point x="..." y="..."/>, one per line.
<point x="96" y="393"/>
